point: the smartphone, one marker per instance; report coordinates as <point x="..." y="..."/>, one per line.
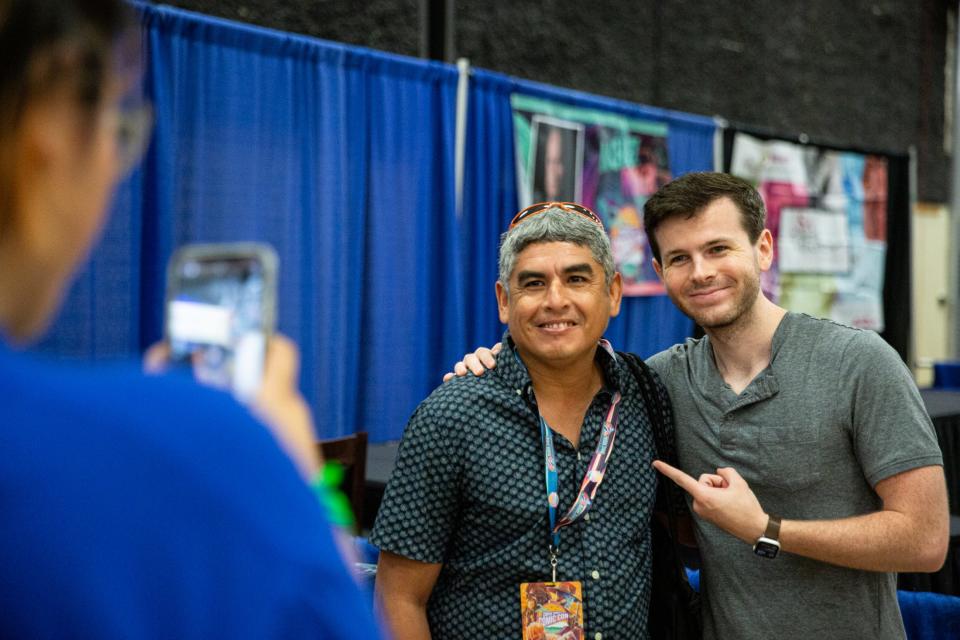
<point x="220" y="312"/>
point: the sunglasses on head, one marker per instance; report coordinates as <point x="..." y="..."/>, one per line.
<point x="540" y="207"/>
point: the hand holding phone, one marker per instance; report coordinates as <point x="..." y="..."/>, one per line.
<point x="220" y="315"/>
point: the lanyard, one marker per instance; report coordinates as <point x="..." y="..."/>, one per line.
<point x="591" y="479"/>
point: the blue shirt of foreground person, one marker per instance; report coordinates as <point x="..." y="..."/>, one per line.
<point x="132" y="507"/>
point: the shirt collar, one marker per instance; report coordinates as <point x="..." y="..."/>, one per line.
<point x="512" y="371"/>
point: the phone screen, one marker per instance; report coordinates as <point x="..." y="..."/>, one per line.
<point x="217" y="320"/>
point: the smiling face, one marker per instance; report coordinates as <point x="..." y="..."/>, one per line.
<point x="559" y="304"/>
<point x="708" y="265"/>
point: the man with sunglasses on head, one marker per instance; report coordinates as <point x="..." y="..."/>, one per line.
<point x="813" y="469"/>
<point x="507" y="498"/>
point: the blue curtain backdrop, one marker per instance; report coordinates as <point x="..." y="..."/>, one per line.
<point x="343" y="159"/>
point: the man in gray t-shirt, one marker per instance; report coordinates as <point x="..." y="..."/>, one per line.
<point x="813" y="469"/>
<point x="833" y="414"/>
<point x="812" y="466"/>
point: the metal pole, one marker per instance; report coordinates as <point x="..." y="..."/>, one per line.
<point x="460" y="142"/>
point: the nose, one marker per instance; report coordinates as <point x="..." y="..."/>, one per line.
<point x="703" y="270"/>
<point x="556" y="294"/>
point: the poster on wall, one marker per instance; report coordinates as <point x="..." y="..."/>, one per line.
<point x="813" y="241"/>
<point x="827" y="212"/>
<point x="557" y="147"/>
<point x="608" y="162"/>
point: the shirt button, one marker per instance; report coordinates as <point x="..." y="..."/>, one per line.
<point x="586" y="517"/>
<point x="595" y="575"/>
<point x="598" y="636"/>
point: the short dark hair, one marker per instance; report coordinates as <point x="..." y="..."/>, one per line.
<point x="690" y="194"/>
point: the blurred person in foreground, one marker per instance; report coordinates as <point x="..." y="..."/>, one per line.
<point x="133" y="506"/>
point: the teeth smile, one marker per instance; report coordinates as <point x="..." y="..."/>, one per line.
<point x="556" y="325"/>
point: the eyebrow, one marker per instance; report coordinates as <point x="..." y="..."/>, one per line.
<point x="583" y="267"/>
<point x="705" y="245"/>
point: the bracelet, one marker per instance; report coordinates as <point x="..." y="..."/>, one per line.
<point x="336" y="505"/>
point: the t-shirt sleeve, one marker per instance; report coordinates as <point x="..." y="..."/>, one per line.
<point x="891" y="429"/>
<point x="420" y="506"/>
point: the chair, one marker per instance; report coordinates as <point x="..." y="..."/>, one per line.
<point x="351" y="452"/>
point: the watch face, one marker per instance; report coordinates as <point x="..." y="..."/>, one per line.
<point x="766" y="549"/>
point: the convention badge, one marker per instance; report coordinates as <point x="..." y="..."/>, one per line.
<point x="552" y="610"/>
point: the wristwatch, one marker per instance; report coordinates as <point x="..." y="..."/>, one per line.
<point x="767" y="545"/>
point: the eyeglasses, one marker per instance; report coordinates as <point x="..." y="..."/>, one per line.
<point x="540" y="207"/>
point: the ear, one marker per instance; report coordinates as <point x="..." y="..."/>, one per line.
<point x="616" y="295"/>
<point x="764" y="249"/>
<point x="658" y="269"/>
<point x="503" y="303"/>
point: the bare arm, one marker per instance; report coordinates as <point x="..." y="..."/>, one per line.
<point x="402" y="589"/>
<point x="909" y="533"/>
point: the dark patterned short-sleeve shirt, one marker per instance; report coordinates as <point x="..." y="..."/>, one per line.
<point x="468" y="491"/>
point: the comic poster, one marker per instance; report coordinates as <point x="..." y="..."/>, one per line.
<point x="606" y="161"/>
<point x="827" y="211"/>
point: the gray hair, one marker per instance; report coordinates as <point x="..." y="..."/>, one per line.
<point x="555" y="225"/>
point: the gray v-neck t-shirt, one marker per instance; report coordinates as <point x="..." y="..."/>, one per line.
<point x="835" y="412"/>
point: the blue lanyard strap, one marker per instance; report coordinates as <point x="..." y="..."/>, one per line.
<point x="591" y="479"/>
